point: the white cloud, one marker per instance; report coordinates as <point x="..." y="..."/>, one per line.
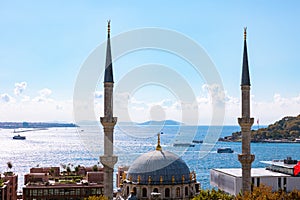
<point x="19" y="88"/>
<point x="98" y="94"/>
<point x="6" y="98"/>
<point x="45" y="92"/>
<point x="128" y="108"/>
<point x="44" y="95"/>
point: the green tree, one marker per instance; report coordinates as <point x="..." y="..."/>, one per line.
<point x="9" y="165"/>
<point x="68" y="170"/>
<point x="101" y="197"/>
<point x="213" y="195"/>
<point x="95" y="168"/>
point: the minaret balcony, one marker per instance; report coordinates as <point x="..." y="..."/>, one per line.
<point x="245" y="121"/>
<point x="108" y="121"/>
<point x="109" y="160"/>
<point x="246" y="158"/>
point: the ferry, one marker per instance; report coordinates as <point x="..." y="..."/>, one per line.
<point x="224" y="150"/>
<point x="19" y="137"/>
<point x="183" y="145"/>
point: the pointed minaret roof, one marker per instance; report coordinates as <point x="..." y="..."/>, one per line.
<point x="245" y="70"/>
<point x="108" y="76"/>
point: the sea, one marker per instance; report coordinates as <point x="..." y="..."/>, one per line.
<point x="83" y="145"/>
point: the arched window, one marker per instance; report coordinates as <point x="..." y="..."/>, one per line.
<point x="134" y="190"/>
<point x="127" y="190"/>
<point x="144" y="192"/>
<point x="167" y="192"/>
<point x="178" y="192"/>
<point x="186" y="191"/>
<point x="155" y="190"/>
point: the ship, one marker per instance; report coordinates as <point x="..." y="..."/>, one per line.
<point x="19" y="137"/>
<point x="224" y="150"/>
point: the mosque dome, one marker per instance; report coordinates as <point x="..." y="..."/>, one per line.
<point x="159" y="167"/>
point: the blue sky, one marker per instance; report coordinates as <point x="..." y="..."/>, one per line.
<point x="45" y="43"/>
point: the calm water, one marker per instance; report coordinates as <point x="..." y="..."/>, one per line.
<point x="83" y="146"/>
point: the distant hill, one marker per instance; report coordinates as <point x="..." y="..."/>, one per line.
<point x="166" y="122"/>
<point x="15" y="125"/>
<point x="287" y="129"/>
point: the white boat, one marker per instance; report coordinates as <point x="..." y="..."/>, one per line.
<point x="19" y="137"/>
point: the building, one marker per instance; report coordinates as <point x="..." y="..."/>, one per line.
<point x="159" y="174"/>
<point x="279" y="175"/>
<point x="49" y="183"/>
<point x="8" y="186"/>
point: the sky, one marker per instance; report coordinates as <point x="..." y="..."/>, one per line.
<point x="45" y="44"/>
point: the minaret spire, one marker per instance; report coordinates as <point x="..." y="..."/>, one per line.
<point x="108" y="122"/>
<point x="245" y="122"/>
<point x="158" y="147"/>
<point x="245" y="70"/>
<point x="108" y="76"/>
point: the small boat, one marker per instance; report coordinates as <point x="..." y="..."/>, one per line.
<point x="225" y="150"/>
<point x="183" y="145"/>
<point x="197" y="141"/>
<point x="19" y="137"/>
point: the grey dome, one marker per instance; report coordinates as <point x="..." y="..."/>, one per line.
<point x="158" y="164"/>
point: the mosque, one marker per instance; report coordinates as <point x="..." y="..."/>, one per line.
<point x="161" y="174"/>
<point x="158" y="174"/>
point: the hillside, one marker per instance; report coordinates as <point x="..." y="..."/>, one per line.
<point x="286" y="130"/>
<point x="166" y="123"/>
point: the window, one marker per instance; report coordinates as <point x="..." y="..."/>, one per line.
<point x="167" y="192"/>
<point x="258" y="182"/>
<point x="155" y="190"/>
<point x="34" y="192"/>
<point x="178" y="192"/>
<point x="284" y="184"/>
<point x="144" y="192"/>
<point x="279" y="183"/>
<point x="186" y="191"/>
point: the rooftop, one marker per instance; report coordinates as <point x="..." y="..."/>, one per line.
<point x="255" y="172"/>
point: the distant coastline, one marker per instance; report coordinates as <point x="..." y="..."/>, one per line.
<point x="286" y="130"/>
<point x="39" y="125"/>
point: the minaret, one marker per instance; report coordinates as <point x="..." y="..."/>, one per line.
<point x="246" y="158"/>
<point x="108" y="122"/>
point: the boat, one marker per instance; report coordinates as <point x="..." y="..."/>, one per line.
<point x="197" y="141"/>
<point x="182" y="144"/>
<point x="19" y="137"/>
<point x="225" y="150"/>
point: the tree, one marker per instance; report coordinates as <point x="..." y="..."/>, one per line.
<point x="68" y="170"/>
<point x="76" y="169"/>
<point x="213" y="194"/>
<point x="265" y="192"/>
<point x="95" y="168"/>
<point x="9" y="165"/>
<point x="101" y="197"/>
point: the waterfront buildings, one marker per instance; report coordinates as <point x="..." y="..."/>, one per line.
<point x="279" y="175"/>
<point x="8" y="186"/>
<point x="49" y="183"/>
